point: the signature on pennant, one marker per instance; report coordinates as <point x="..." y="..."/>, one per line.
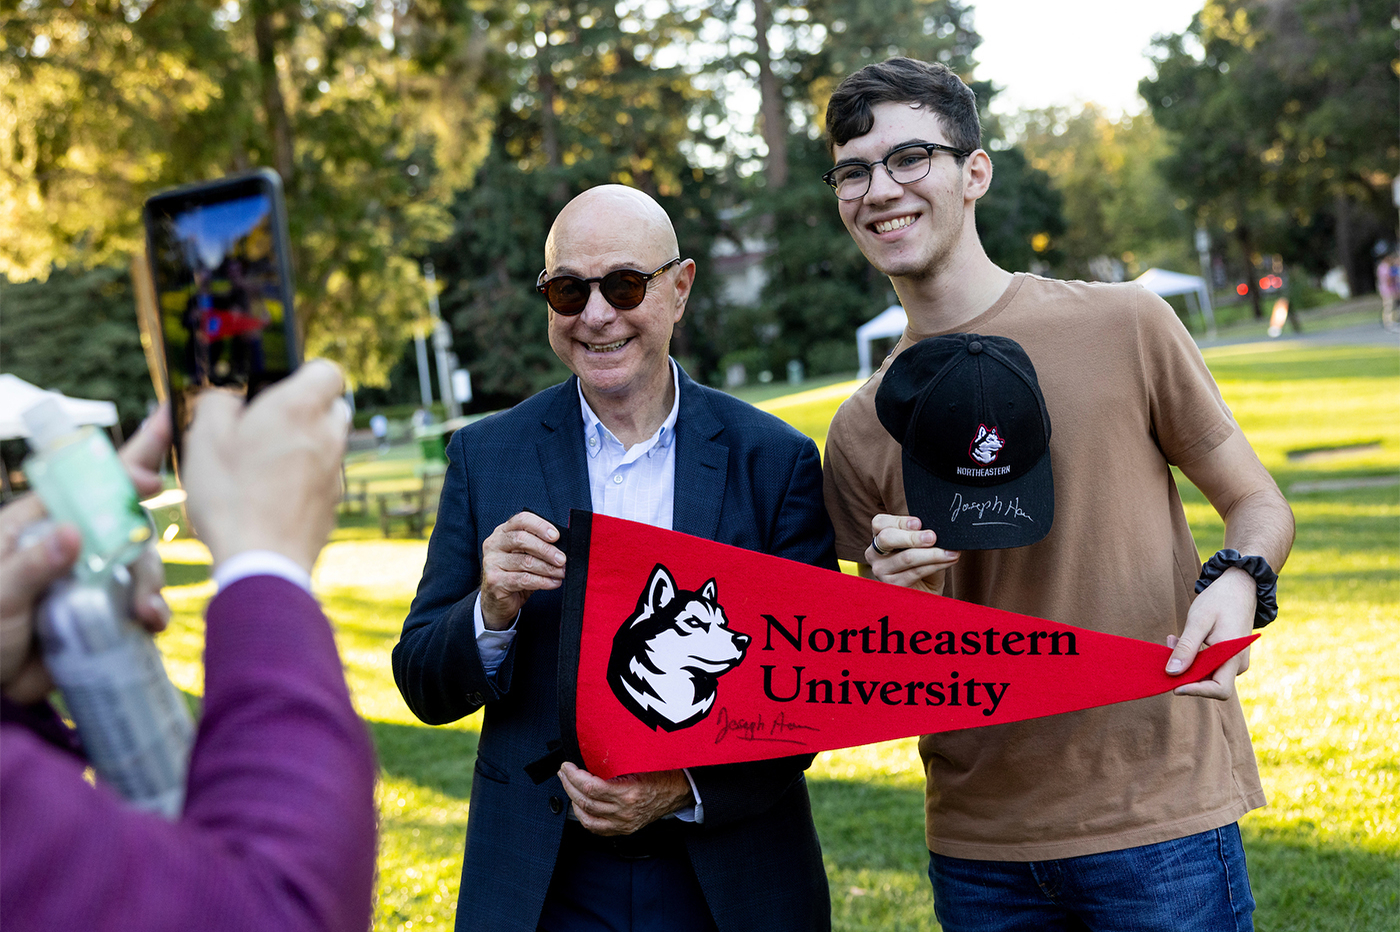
<point x="756" y="729"/>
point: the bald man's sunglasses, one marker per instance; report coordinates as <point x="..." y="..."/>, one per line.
<point x="624" y="289"/>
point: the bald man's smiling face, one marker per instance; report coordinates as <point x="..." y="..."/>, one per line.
<point x="619" y="356"/>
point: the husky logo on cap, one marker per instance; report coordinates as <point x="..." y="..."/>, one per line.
<point x="986" y="445"/>
<point x="668" y="657"/>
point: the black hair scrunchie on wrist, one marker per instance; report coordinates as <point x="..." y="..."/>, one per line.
<point x="1265" y="581"/>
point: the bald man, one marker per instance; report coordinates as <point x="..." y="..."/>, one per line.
<point x="630" y="435"/>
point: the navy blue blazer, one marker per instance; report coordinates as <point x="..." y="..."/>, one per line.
<point x="743" y="477"/>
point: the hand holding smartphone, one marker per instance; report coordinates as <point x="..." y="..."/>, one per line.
<point x="221" y="265"/>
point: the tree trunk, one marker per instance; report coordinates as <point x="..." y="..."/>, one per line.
<point x="772" y="115"/>
<point x="549" y="126"/>
<point x="279" y="128"/>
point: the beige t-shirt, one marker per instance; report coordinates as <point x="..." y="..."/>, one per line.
<point x="1128" y="393"/>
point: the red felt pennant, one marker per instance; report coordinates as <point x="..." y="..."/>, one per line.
<point x="691" y="652"/>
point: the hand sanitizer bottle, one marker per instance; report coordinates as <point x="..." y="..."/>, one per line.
<point x="134" y="724"/>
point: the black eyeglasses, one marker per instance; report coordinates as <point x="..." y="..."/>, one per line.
<point x="906" y="165"/>
<point x="624" y="289"/>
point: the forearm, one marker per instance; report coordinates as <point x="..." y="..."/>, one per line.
<point x="279" y="825"/>
<point x="283" y="770"/>
<point x="1261" y="523"/>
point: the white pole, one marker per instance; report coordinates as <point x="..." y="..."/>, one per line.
<point x="442" y="344"/>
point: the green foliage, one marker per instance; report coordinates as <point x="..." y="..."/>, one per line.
<point x="1020" y="212"/>
<point x="77" y="333"/>
<point x="1283" y="122"/>
<point x="820" y="287"/>
<point x="370" y="122"/>
<point x="1117" y="206"/>
<point x="590" y="105"/>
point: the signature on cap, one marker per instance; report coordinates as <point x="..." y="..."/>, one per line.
<point x="995" y="505"/>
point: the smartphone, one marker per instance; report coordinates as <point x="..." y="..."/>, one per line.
<point x="221" y="269"/>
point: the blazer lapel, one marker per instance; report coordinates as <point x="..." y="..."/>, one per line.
<point x="561" y="454"/>
<point x="702" y="463"/>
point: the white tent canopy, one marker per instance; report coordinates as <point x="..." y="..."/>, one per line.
<point x="18" y="396"/>
<point x="888" y="323"/>
<point x="1165" y="283"/>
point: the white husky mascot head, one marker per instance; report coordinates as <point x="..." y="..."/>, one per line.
<point x="668" y="656"/>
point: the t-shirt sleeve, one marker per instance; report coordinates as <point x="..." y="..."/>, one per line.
<point x="1189" y="417"/>
<point x="852" y="496"/>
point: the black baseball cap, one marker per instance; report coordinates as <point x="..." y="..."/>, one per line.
<point x="968" y="413"/>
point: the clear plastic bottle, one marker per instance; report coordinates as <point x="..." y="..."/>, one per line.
<point x="134" y="724"/>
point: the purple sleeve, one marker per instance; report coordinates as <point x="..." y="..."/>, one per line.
<point x="279" y="824"/>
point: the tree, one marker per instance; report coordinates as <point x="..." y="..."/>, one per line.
<point x="1019" y="220"/>
<point x="590" y="102"/>
<point x="1283" y="115"/>
<point x="1117" y="206"/>
<point x="76" y="333"/>
<point x="371" y="122"/>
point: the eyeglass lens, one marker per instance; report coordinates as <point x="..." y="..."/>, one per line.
<point x="624" y="289"/>
<point x="905" y="166"/>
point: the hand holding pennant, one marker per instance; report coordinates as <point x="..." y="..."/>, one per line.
<point x="677" y="651"/>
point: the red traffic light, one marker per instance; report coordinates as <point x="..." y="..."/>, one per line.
<point x="1242" y="289"/>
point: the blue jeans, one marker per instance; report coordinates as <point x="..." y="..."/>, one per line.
<point x="1197" y="883"/>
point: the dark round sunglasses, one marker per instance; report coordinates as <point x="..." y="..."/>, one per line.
<point x="624" y="289"/>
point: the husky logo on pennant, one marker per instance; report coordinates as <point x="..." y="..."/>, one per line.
<point x="667" y="658"/>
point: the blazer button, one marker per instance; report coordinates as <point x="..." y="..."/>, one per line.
<point x="556" y="805"/>
<point x="475" y="699"/>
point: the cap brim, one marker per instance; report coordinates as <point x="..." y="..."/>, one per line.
<point x="1010" y="514"/>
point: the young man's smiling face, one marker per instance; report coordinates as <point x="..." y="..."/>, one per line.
<point x="907" y="230"/>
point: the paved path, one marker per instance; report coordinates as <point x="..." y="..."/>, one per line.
<point x="1361" y="334"/>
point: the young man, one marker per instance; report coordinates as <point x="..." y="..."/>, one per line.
<point x="630" y="436"/>
<point x="1118" y="817"/>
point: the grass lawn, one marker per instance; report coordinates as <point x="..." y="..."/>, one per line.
<point x="1322" y="694"/>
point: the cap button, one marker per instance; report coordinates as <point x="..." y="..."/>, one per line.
<point x="974" y="347"/>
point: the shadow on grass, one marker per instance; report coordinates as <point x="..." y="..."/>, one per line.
<point x="438" y="758"/>
<point x="1302" y="884"/>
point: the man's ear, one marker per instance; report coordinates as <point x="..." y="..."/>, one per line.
<point x="685" y="278"/>
<point x="977" y="175"/>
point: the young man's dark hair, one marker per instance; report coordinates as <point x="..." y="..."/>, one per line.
<point x="904" y="80"/>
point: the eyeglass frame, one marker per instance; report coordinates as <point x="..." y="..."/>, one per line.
<point x="542" y="286"/>
<point x="929" y="147"/>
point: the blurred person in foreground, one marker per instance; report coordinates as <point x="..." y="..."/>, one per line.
<point x="278" y="828"/>
<point x="629" y="435"/>
<point x="1119" y="817"/>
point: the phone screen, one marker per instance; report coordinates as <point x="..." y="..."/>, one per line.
<point x="223" y="288"/>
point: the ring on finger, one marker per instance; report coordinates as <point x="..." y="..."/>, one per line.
<point x="875" y="544"/>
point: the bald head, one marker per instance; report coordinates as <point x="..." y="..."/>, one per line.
<point x="619" y="353"/>
<point x="611" y="218"/>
